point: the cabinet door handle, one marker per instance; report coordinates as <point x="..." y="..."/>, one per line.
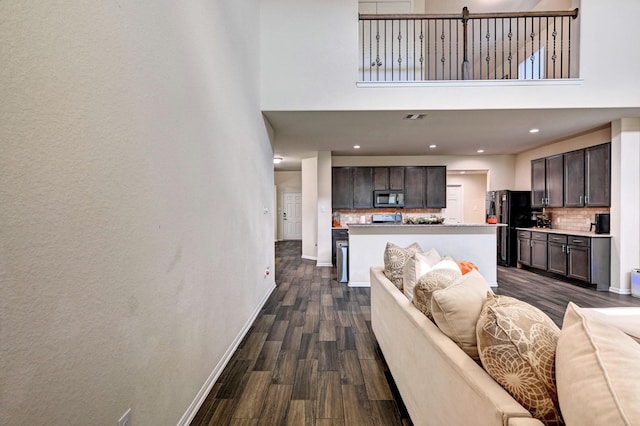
<point x="563" y="248"/>
<point x="586" y="199"/>
<point x="568" y="249"/>
<point x="581" y="199"/>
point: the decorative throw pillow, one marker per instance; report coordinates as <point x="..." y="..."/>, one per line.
<point x="517" y="347"/>
<point x="443" y="274"/>
<point x="597" y="372"/>
<point x="456" y="310"/>
<point x="394" y="259"/>
<point x="466" y="266"/>
<point x="418" y="265"/>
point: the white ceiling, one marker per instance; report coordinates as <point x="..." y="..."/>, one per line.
<point x="298" y="134"/>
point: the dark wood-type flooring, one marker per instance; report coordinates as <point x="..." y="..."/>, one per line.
<point x="310" y="358"/>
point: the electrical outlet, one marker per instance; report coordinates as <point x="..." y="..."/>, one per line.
<point x="125" y="420"/>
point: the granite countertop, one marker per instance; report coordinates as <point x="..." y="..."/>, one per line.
<point x="566" y="232"/>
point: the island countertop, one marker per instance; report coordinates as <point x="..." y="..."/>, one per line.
<point x="469" y="242"/>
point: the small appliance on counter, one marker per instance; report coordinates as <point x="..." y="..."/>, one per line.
<point x="602" y="223"/>
<point x="387" y="218"/>
<point x="336" y="220"/>
<point x="543" y="220"/>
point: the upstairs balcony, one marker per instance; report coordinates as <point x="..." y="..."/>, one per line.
<point x="469" y="46"/>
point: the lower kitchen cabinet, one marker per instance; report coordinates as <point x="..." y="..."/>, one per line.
<point x="581" y="258"/>
<point x="539" y="250"/>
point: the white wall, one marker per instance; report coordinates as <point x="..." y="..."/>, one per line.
<point x="310" y="208"/>
<point x="312" y="64"/>
<point x="130" y="261"/>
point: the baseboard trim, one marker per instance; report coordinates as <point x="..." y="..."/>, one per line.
<point x="304" y="256"/>
<point x="618" y="290"/>
<point x="191" y="412"/>
<point x="359" y="284"/>
<point x="324" y="264"/>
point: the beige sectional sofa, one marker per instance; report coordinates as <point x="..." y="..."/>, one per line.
<point x="438" y="382"/>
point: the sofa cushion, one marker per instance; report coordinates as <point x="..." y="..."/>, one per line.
<point x="415" y="267"/>
<point x="394" y="259"/>
<point x="443" y="274"/>
<point x="456" y="310"/>
<point x="598" y="371"/>
<point x="517" y="347"/>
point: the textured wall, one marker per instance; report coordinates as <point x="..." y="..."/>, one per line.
<point x="134" y="173"/>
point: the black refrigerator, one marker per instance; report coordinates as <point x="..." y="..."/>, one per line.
<point x="512" y="208"/>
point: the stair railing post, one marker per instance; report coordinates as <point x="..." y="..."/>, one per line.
<point x="465" y="47"/>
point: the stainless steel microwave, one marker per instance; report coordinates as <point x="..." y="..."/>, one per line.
<point x="386" y="198"/>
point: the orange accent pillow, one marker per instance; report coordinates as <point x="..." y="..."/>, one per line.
<point x="466" y="266"/>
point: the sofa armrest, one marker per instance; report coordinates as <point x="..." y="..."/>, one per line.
<point x="524" y="421"/>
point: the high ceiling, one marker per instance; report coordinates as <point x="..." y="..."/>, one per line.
<point x="298" y="134"/>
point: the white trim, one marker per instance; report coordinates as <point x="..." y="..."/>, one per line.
<point x="618" y="290"/>
<point x="475" y="83"/>
<point x="309" y="257"/>
<point x="191" y="412"/>
<point x="359" y="284"/>
<point x="324" y="264"/>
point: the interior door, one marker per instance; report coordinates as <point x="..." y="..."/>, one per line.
<point x="454" y="213"/>
<point x="292" y="216"/>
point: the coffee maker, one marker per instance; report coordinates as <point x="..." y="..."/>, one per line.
<point x="601" y="223"/>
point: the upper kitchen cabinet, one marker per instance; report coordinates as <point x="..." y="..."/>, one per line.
<point x="415" y="187"/>
<point x="574" y="179"/>
<point x="425" y="187"/>
<point x="547" y="182"/>
<point x="436" y="187"/>
<point x="363" y="187"/>
<point x="598" y="175"/>
<point x="342" y="187"/>
<point x="391" y="178"/>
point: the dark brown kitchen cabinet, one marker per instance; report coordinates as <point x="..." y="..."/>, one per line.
<point x="388" y="178"/>
<point x="436" y="196"/>
<point x="415" y="183"/>
<point x="598" y="175"/>
<point x="578" y="258"/>
<point x="342" y="187"/>
<point x="362" y="187"/>
<point x="538" y="185"/>
<point x="524" y="247"/>
<point x="396" y="178"/>
<point x="557" y="254"/>
<point x="574" y="195"/>
<point x="539" y="250"/>
<point x="547" y="182"/>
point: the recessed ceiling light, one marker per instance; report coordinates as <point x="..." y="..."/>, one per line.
<point x="356" y="147"/>
<point x="432" y="146"/>
<point x="414" y="117"/>
<point x="480" y="151"/>
<point x="534" y="130"/>
<point x="277" y="160"/>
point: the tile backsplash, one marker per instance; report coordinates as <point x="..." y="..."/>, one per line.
<point x="348" y="216"/>
<point x="574" y="219"/>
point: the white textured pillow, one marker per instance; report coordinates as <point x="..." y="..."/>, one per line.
<point x="597" y="372"/>
<point x="446" y="262"/>
<point x="456" y="310"/>
<point x="417" y="266"/>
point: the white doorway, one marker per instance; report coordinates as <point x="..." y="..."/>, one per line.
<point x="454" y="213"/>
<point x="291" y="216"/>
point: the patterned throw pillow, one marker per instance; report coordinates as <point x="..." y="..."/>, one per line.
<point x="416" y="266"/>
<point x="517" y="346"/>
<point x="443" y="274"/>
<point x="394" y="259"/>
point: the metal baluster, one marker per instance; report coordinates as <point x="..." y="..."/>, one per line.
<point x="569" y="49"/>
<point x="533" y="54"/>
<point x="562" y="47"/>
<point x="540" y="75"/>
<point x="488" y="58"/>
<point x="422" y="50"/>
<point x="495" y="49"/>
<point x="555" y="56"/>
<point x="442" y="37"/>
<point x="510" y="47"/>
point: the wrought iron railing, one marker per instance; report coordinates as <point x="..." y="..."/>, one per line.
<point x="468" y="46"/>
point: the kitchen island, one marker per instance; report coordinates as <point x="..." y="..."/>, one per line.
<point x="470" y="242"/>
